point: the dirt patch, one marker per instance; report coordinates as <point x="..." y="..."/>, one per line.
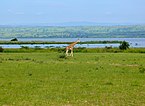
<point x="127" y="65"/>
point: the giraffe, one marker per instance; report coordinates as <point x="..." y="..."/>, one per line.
<point x="70" y="47"/>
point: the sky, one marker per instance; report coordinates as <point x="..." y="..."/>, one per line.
<point x="60" y="11"/>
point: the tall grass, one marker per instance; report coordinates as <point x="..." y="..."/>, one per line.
<point x="76" y="50"/>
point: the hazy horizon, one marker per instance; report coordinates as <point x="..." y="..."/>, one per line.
<point x="27" y="12"/>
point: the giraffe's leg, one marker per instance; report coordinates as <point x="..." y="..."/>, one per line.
<point x="67" y="52"/>
<point x="72" y="52"/>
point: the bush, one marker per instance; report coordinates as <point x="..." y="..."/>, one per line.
<point x="1" y="49"/>
<point x="15" y="39"/>
<point x="106" y="47"/>
<point x="62" y="56"/>
<point x="124" y="45"/>
<point x="141" y="69"/>
<point x="24" y="47"/>
<point x="37" y="48"/>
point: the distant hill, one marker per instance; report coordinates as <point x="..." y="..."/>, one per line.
<point x="69" y="24"/>
<point x="78" y="24"/>
<point x="89" y="24"/>
<point x="72" y="30"/>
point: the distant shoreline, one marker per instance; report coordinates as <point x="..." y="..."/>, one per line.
<point x="49" y="42"/>
<point x="124" y="31"/>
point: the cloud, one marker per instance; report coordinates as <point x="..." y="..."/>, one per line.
<point x="10" y="11"/>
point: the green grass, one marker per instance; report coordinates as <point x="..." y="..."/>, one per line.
<point x="76" y="50"/>
<point x="87" y="79"/>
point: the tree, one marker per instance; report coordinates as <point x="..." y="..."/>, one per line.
<point x="124" y="45"/>
<point x="1" y="49"/>
<point x="15" y="39"/>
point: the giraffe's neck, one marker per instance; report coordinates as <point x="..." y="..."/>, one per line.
<point x="70" y="47"/>
<point x="73" y="44"/>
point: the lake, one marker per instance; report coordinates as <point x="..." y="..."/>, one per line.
<point x="134" y="42"/>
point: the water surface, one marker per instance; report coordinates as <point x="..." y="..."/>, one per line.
<point x="134" y="42"/>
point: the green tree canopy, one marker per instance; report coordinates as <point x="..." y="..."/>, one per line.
<point x="124" y="45"/>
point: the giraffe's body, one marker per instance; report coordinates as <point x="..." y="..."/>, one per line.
<point x="70" y="47"/>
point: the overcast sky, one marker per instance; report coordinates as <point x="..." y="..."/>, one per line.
<point x="59" y="11"/>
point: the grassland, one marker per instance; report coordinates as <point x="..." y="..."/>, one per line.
<point x="87" y="79"/>
<point x="76" y="50"/>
